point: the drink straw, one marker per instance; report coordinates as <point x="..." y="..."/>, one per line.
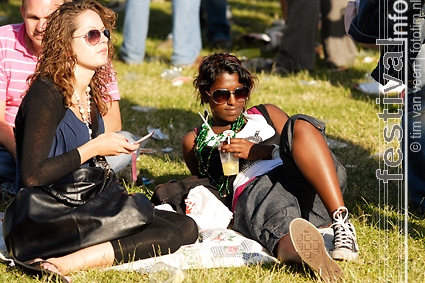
<point x="228" y="134"/>
<point x="205" y="121"/>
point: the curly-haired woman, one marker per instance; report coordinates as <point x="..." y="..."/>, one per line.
<point x="53" y="134"/>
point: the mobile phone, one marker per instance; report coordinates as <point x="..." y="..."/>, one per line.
<point x="144" y="138"/>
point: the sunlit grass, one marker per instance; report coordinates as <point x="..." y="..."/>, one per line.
<point x="350" y="118"/>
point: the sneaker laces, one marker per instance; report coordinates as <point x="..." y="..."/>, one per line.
<point x="344" y="231"/>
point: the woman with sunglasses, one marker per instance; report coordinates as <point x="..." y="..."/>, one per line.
<point x="53" y="134"/>
<point x="286" y="168"/>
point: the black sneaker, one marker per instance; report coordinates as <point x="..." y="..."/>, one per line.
<point x="344" y="244"/>
<point x="222" y="44"/>
<point x="310" y="246"/>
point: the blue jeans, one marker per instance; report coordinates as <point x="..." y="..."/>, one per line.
<point x="187" y="42"/>
<point x="186" y="31"/>
<point x="121" y="161"/>
<point x="297" y="46"/>
<point x="217" y="25"/>
<point x="7" y="171"/>
<point x="416" y="159"/>
<point x="135" y="31"/>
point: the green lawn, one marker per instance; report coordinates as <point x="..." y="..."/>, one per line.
<point x="351" y="118"/>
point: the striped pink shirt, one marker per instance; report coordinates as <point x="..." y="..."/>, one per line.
<point x="16" y="64"/>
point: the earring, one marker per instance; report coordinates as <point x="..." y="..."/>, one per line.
<point x="244" y="106"/>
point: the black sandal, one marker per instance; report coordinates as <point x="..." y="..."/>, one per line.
<point x="35" y="268"/>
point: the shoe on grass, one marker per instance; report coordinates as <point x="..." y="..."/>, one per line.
<point x="259" y="64"/>
<point x="344" y="244"/>
<point x="222" y="44"/>
<point x="310" y="246"/>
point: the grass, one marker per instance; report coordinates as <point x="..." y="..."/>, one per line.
<point x="376" y="209"/>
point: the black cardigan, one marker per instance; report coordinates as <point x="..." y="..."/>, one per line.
<point x="40" y="113"/>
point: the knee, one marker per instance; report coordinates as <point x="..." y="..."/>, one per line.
<point x="303" y="131"/>
<point x="190" y="235"/>
<point x="302" y="127"/>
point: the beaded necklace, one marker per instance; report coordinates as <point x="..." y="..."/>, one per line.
<point x="86" y="119"/>
<point x="222" y="183"/>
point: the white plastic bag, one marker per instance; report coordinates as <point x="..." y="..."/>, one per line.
<point x="207" y="211"/>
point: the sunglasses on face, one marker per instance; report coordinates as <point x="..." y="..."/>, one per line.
<point x="93" y="36"/>
<point x="221" y="96"/>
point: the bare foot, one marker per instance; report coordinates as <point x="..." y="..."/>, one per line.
<point x="51" y="267"/>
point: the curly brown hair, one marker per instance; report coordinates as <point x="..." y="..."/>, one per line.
<point x="57" y="59"/>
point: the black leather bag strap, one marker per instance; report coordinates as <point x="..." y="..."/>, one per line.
<point x="94" y="119"/>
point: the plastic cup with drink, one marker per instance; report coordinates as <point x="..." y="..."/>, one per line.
<point x="228" y="161"/>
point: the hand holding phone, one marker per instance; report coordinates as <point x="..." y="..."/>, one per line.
<point x="144" y="138"/>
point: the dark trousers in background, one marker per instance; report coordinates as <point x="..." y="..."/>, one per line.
<point x="297" y="48"/>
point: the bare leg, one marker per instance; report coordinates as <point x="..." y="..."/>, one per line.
<point x="101" y="255"/>
<point x="313" y="158"/>
<point x="285" y="250"/>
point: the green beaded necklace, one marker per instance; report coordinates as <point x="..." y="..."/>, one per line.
<point x="222" y="183"/>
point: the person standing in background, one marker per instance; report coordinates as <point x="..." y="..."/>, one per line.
<point x="186" y="31"/>
<point x="297" y="48"/>
<point x="218" y="27"/>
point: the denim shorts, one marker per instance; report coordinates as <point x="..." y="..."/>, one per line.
<point x="7" y="171"/>
<point x="270" y="202"/>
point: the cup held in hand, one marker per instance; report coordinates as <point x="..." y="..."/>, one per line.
<point x="230" y="163"/>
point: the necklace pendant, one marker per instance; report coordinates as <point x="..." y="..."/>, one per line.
<point x="82" y="110"/>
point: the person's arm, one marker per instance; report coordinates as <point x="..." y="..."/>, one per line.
<point x="36" y="126"/>
<point x="189" y="152"/>
<point x="108" y="144"/>
<point x="245" y="149"/>
<point x="7" y="138"/>
<point x="278" y="117"/>
<point x="112" y="119"/>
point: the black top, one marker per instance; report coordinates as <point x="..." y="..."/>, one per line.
<point x="37" y="121"/>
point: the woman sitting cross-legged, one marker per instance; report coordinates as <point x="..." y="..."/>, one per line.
<point x="56" y="139"/>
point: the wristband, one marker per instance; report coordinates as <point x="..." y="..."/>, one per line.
<point x="275" y="152"/>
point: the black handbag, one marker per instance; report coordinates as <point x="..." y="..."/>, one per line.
<point x="175" y="193"/>
<point x="87" y="207"/>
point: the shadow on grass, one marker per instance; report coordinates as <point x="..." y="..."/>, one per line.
<point x="368" y="199"/>
<point x="364" y="196"/>
<point x="289" y="267"/>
